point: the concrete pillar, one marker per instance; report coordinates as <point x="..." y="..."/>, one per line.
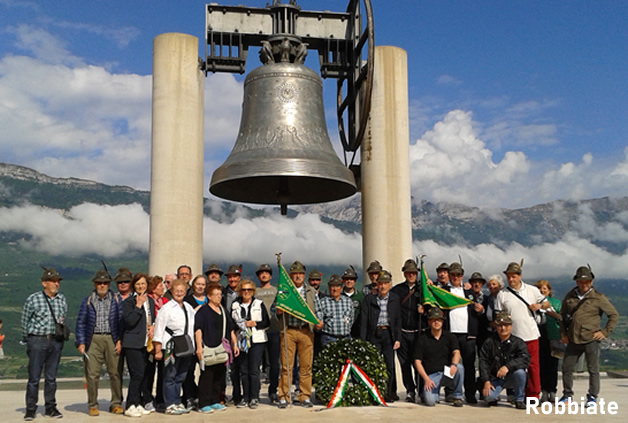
<point x="176" y="206"/>
<point x="386" y="202"/>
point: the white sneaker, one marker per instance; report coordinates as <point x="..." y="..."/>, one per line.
<point x="132" y="411"/>
<point x="149" y="407"/>
<point x="143" y="411"/>
<point x="173" y="410"/>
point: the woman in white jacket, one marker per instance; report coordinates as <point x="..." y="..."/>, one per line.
<point x="251" y="317"/>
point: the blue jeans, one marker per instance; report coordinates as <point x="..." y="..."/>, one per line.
<point x="174" y="375"/>
<point x="431" y="397"/>
<point x="43" y="354"/>
<point x="514" y="380"/>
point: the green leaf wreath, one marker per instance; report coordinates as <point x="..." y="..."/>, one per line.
<point x="330" y="361"/>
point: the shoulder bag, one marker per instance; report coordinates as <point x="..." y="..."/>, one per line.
<point x="217" y="355"/>
<point x="183" y="345"/>
<point x="62" y="331"/>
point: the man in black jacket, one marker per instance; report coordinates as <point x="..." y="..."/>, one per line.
<point x="380" y="324"/>
<point x="409" y="292"/>
<point x="504" y="359"/>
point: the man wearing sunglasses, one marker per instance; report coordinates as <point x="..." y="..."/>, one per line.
<point x="98" y="341"/>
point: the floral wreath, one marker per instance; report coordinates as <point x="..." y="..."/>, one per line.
<point x="330" y="379"/>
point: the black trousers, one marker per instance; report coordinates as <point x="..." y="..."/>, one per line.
<point x="549" y="364"/>
<point x="467" y="353"/>
<point x="382" y="340"/>
<point x="190" y="390"/>
<point x="155" y="366"/>
<point x="405" y="354"/>
<point x="210" y="385"/>
<point x="136" y="360"/>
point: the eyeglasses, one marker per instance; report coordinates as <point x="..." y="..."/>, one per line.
<point x="119" y="282"/>
<point x="246" y="290"/>
<point x="102" y="283"/>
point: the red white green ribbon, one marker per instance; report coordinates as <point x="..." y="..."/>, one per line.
<point x="343" y="381"/>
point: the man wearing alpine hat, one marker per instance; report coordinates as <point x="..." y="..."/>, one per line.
<point x="581" y="329"/>
<point x="522" y="302"/>
<point x="504" y="359"/>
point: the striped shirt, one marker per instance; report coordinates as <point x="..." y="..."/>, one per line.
<point x="36" y="317"/>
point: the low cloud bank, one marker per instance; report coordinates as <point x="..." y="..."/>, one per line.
<point x="112" y="231"/>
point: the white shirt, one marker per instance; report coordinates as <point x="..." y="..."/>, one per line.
<point x="459" y="316"/>
<point x="523" y="323"/>
<point x="171" y="316"/>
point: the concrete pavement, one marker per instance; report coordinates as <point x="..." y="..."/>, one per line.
<point x="72" y="403"/>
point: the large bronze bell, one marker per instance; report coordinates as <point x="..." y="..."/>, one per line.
<point x="283" y="154"/>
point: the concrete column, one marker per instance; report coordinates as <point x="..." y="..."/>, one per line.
<point x="176" y="206"/>
<point x="386" y="202"/>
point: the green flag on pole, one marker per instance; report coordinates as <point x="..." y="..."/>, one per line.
<point x="290" y="301"/>
<point x="439" y="297"/>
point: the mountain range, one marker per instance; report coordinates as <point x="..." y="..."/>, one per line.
<point x="40" y="216"/>
<point x="602" y="221"/>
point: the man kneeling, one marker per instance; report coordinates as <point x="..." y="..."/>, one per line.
<point x="504" y="359"/>
<point x="437" y="359"/>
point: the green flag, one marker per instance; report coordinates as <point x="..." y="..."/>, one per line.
<point x="439" y="297"/>
<point x="290" y="301"/>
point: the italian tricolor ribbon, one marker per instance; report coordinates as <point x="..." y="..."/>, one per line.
<point x="339" y="392"/>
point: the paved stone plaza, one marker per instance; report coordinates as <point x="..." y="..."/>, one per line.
<point x="73" y="405"/>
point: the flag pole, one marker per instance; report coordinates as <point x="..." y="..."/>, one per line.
<point x="285" y="340"/>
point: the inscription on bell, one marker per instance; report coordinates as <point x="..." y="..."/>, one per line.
<point x="286" y="92"/>
<point x="281" y="136"/>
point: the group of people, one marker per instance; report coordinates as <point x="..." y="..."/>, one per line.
<point x="191" y="334"/>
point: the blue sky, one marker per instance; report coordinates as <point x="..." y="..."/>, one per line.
<point x="524" y="96"/>
<point x="512" y="104"/>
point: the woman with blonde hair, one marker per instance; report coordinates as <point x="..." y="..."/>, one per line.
<point x="251" y="317"/>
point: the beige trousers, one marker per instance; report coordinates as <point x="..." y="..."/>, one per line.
<point x="102" y="350"/>
<point x="301" y="342"/>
